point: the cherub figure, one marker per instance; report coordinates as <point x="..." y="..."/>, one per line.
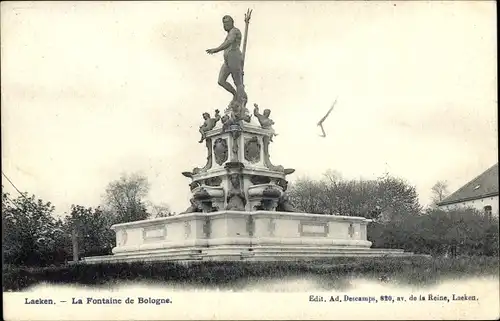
<point x="238" y="111"/>
<point x="264" y="120"/>
<point x="225" y="122"/>
<point x="208" y="124"/>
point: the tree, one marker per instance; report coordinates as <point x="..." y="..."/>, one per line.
<point x="30" y="232"/>
<point x="307" y="195"/>
<point x="439" y="192"/>
<point x="92" y="227"/>
<point x="387" y="197"/>
<point x="439" y="232"/>
<point x="125" y="198"/>
<point x="396" y="198"/>
<point x="332" y="175"/>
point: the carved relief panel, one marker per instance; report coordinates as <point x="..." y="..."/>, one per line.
<point x="252" y="150"/>
<point x="220" y="151"/>
<point x="122" y="238"/>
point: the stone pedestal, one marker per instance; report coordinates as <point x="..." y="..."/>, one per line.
<point x="242" y="236"/>
<point x="238" y="174"/>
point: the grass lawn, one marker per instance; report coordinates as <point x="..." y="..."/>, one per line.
<point x="231" y="275"/>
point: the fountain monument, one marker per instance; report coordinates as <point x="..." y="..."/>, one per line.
<point x="239" y="209"/>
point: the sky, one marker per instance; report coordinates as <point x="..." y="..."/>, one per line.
<point x="91" y="90"/>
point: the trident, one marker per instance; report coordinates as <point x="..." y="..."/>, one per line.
<point x="248" y="15"/>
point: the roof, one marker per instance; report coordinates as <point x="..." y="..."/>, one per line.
<point x="484" y="185"/>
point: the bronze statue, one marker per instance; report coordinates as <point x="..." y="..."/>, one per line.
<point x="235" y="114"/>
<point x="233" y="60"/>
<point x="226" y="122"/>
<point x="264" y="120"/>
<point x="235" y="198"/>
<point x="208" y="124"/>
<point x="284" y="204"/>
<point x="193" y="208"/>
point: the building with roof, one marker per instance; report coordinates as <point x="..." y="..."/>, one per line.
<point x="481" y="193"/>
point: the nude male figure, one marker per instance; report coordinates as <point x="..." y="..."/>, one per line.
<point x="233" y="60"/>
<point x="208" y="124"/>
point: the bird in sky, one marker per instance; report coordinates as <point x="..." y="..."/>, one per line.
<point x="320" y="123"/>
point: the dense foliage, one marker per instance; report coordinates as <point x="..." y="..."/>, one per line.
<point x="125" y="198"/>
<point x="387" y="198"/>
<point x="30" y="233"/>
<point x="33" y="236"/>
<point x="399" y="220"/>
<point x="437" y="232"/>
<point x="236" y="275"/>
<point x="92" y="230"/>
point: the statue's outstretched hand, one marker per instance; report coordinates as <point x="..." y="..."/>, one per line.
<point x="211" y="51"/>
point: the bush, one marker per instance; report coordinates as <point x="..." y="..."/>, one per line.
<point x="236" y="274"/>
<point x="439" y="232"/>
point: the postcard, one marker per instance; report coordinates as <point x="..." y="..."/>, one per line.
<point x="310" y="160"/>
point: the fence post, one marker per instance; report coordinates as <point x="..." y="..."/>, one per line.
<point x="74" y="240"/>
